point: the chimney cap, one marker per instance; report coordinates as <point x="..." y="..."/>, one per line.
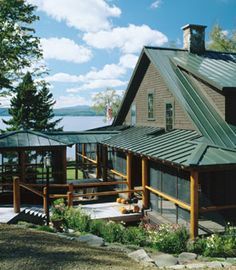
<point x="195" y="26"/>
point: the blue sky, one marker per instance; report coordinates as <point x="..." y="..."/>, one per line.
<point x="90" y="45"/>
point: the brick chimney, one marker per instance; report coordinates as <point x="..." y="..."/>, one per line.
<point x="194" y="38"/>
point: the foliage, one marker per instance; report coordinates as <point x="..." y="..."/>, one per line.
<point x="112" y="232"/>
<point x="169" y="238"/>
<point x="135" y="235"/>
<point x="216" y="245"/>
<point x="31" y="108"/>
<point x="77" y="219"/>
<point x="222" y="40"/>
<point x="19" y="47"/>
<point x="108" y="98"/>
<point x="58" y="210"/>
<point x="45" y="228"/>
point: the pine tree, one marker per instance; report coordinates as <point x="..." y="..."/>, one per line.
<point x="45" y="111"/>
<point x="31" y="108"/>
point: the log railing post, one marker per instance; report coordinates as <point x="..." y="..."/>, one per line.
<point x="98" y="160"/>
<point x="16" y="194"/>
<point x="104" y="165"/>
<point x="194" y="204"/>
<point x="76" y="161"/>
<point x="70" y="199"/>
<point x="71" y="188"/>
<point x="145" y="182"/>
<point x="129" y="158"/>
<point x="45" y="199"/>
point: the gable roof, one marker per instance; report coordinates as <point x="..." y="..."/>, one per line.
<point x="27" y="139"/>
<point x="202" y="113"/>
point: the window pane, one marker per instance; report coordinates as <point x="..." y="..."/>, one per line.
<point x="133" y="114"/>
<point x="150" y="105"/>
<point x="169" y="116"/>
<point x="169" y="211"/>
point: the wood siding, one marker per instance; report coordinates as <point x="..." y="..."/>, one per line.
<point x="153" y="81"/>
<point x="215" y="98"/>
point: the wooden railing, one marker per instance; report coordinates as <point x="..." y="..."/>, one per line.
<point x="70" y="194"/>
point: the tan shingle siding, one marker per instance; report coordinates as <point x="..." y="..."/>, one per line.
<point x="153" y="81"/>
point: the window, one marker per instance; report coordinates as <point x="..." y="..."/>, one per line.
<point x="169" y="116"/>
<point x="133" y="114"/>
<point x="150" y="106"/>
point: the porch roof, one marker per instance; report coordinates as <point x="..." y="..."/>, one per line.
<point x="71" y="137"/>
<point x="27" y="139"/>
<point x="180" y="147"/>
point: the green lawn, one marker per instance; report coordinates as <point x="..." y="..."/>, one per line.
<point x="71" y="174"/>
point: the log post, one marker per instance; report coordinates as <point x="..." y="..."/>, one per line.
<point x="145" y="182"/>
<point x="83" y="152"/>
<point x="71" y="187"/>
<point x="98" y="165"/>
<point x="70" y="199"/>
<point x="129" y="158"/>
<point x="16" y="194"/>
<point x="76" y="161"/>
<point x="45" y="199"/>
<point x="104" y="161"/>
<point x="194" y="204"/>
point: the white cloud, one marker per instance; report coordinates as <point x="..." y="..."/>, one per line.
<point x="128" y="60"/>
<point x="85" y="15"/>
<point x="65" y="49"/>
<point x="63" y="78"/>
<point x="71" y="100"/>
<point x="156" y="4"/>
<point x="5" y="101"/>
<point x="101" y="84"/>
<point x="129" y="39"/>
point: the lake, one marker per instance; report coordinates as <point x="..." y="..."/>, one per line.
<point x="72" y="123"/>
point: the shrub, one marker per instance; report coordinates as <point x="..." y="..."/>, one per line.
<point x="112" y="232"/>
<point x="45" y="228"/>
<point x="169" y="238"/>
<point x="96" y="227"/>
<point x="135" y="235"/>
<point x="58" y="209"/>
<point x="77" y="219"/>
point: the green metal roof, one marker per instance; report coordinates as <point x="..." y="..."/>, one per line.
<point x="26" y="138"/>
<point x="202" y="113"/>
<point x="181" y="147"/>
<point x="218" y="69"/>
<point x="81" y="137"/>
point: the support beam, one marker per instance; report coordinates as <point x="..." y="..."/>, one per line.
<point x="145" y="195"/>
<point x="104" y="163"/>
<point x="76" y="161"/>
<point x="22" y="161"/>
<point x="194" y="204"/>
<point x="45" y="200"/>
<point x="129" y="158"/>
<point x="64" y="166"/>
<point x="98" y="160"/>
<point x="83" y="152"/>
<point x="16" y="194"/>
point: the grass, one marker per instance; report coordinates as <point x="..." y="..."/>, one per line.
<point x="29" y="249"/>
<point x="71" y="174"/>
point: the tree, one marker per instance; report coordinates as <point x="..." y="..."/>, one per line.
<point x="221" y="40"/>
<point x="31" y="108"/>
<point x="19" y="47"/>
<point x="107" y="100"/>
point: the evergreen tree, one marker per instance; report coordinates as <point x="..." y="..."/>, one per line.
<point x="19" y="47"/>
<point x="31" y="108"/>
<point x="45" y="111"/>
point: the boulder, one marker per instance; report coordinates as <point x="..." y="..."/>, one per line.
<point x="165" y="260"/>
<point x="214" y="264"/>
<point x="185" y="257"/>
<point x="91" y="240"/>
<point x="196" y="266"/>
<point x="141" y="256"/>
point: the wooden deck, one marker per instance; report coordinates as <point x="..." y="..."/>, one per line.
<point x="7" y="213"/>
<point x="110" y="211"/>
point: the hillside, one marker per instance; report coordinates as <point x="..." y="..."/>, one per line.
<point x="80" y="110"/>
<point x="34" y="250"/>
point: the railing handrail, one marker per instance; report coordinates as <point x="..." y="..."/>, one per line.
<point x="28" y="187"/>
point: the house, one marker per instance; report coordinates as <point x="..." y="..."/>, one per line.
<point x="177" y="137"/>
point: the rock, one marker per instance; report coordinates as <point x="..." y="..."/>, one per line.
<point x="165" y="260"/>
<point x="196" y="266"/>
<point x="226" y="264"/>
<point x="231" y="260"/>
<point x="140" y="256"/>
<point x="91" y="240"/>
<point x="214" y="264"/>
<point x="71" y="231"/>
<point x="185" y="257"/>
<point x="176" y="267"/>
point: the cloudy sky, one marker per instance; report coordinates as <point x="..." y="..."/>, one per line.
<point x="90" y="45"/>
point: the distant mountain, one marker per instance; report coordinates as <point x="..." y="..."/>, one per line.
<point x="80" y="110"/>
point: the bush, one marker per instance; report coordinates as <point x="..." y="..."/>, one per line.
<point x="135" y="235"/>
<point x="58" y="209"/>
<point x="77" y="219"/>
<point x="45" y="228"/>
<point x="169" y="238"/>
<point x="215" y="246"/>
<point x="112" y="232"/>
<point x="96" y="227"/>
